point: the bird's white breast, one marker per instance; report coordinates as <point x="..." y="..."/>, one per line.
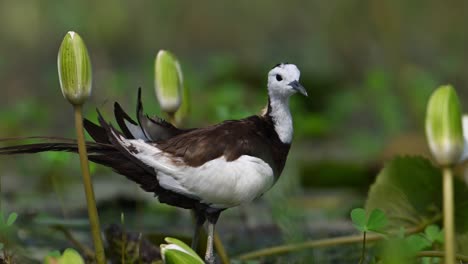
<point x="218" y="182"/>
<point x="224" y="183"/>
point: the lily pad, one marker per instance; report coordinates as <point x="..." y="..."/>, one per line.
<point x="409" y="191"/>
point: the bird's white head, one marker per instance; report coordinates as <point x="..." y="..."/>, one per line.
<point x="283" y="81"/>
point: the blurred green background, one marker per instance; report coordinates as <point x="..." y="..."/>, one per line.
<point x="369" y="68"/>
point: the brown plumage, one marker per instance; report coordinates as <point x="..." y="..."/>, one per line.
<point x="255" y="147"/>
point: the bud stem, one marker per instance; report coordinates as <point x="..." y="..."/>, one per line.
<point x="88" y="187"/>
<point x="449" y="227"/>
<point x="220" y="249"/>
<point x="171" y="118"/>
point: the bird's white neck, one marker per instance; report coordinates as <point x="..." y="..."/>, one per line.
<point x="281" y="117"/>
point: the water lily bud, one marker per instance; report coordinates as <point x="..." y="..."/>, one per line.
<point x="184" y="109"/>
<point x="74" y="68"/>
<point x="168" y="81"/>
<point x="444" y="126"/>
<point x="177" y="252"/>
<point x="464" y="156"/>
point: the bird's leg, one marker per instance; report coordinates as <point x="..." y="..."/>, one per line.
<point x="209" y="256"/>
<point x="212" y="219"/>
<point x="199" y="221"/>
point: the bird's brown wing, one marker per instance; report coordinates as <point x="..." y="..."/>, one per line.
<point x="253" y="136"/>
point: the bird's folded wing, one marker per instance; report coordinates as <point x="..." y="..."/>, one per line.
<point x="223" y="165"/>
<point x="218" y="182"/>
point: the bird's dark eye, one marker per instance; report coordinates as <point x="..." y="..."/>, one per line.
<point x="279" y="78"/>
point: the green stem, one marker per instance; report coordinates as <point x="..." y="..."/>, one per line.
<point x="363" y="255"/>
<point x="124" y="239"/>
<point x="440" y="254"/>
<point x="1" y="194"/>
<point x="171" y="118"/>
<point x="283" y="249"/>
<point x="220" y="249"/>
<point x="449" y="227"/>
<point x="81" y="247"/>
<point x="88" y="187"/>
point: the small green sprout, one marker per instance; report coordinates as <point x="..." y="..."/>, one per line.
<point x="375" y="223"/>
<point x="434" y="234"/>
<point x="177" y="252"/>
<point x="69" y="256"/>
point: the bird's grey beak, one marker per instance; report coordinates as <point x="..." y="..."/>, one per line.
<point x="298" y="87"/>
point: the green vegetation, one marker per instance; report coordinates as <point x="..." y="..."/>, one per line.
<point x="369" y="68"/>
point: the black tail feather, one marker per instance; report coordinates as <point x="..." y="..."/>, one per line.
<point x="92" y="148"/>
<point x="96" y="132"/>
<point x="121" y="117"/>
<point x="107" y="150"/>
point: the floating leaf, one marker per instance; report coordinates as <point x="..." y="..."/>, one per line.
<point x="408" y="190"/>
<point x="359" y="218"/>
<point x="11" y="219"/>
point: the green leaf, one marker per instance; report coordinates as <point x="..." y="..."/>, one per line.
<point x="180" y="257"/>
<point x="409" y="191"/>
<point x="181" y="244"/>
<point x="396" y="250"/>
<point x="416" y="243"/>
<point x="1" y="245"/>
<point x="2" y="218"/>
<point x="377" y="221"/>
<point x="11" y="219"/>
<point x="71" y="256"/>
<point x="177" y="252"/>
<point x="359" y="218"/>
<point x="434" y="234"/>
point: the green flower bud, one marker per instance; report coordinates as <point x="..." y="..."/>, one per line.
<point x="444" y="126"/>
<point x="74" y="68"/>
<point x="168" y="81"/>
<point x="184" y="109"/>
<point x="177" y="252"/>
